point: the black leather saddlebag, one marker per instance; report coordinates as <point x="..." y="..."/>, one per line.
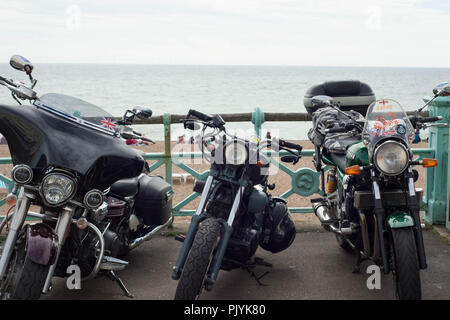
<point x="154" y="200"/>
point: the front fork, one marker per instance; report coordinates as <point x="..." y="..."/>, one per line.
<point x="380" y="215"/>
<point x="64" y="221"/>
<point x="20" y="214"/>
<point x="223" y="243"/>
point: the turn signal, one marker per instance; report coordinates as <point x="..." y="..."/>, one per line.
<point x="11" y="199"/>
<point x="353" y="170"/>
<point x="428" y="163"/>
<point x="82" y="223"/>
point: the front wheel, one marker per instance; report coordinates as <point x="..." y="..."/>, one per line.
<point x="25" y="279"/>
<point x="405" y="265"/>
<point x="197" y="263"/>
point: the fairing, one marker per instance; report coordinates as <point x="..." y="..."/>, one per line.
<point x="386" y="119"/>
<point x="40" y="139"/>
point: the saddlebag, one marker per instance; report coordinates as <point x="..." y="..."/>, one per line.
<point x="153" y="203"/>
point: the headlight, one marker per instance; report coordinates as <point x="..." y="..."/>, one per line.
<point x="236" y="153"/>
<point x="93" y="199"/>
<point x="391" y="158"/>
<point x="57" y="188"/>
<point x="22" y="174"/>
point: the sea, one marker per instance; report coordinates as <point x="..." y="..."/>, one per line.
<point x="218" y="89"/>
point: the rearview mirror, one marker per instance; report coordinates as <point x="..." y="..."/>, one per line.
<point x="321" y="101"/>
<point x="142" y="112"/>
<point x="191" y="125"/>
<point x="21" y="63"/>
<point x="442" y="88"/>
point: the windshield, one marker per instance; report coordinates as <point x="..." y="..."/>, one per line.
<point x="79" y="108"/>
<point x="386" y="118"/>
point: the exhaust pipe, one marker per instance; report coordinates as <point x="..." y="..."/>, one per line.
<point x="322" y="212"/>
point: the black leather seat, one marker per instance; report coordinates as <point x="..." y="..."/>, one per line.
<point x="126" y="187"/>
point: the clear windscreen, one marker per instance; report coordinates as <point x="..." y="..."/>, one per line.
<point x="79" y="108"/>
<point x="387" y="118"/>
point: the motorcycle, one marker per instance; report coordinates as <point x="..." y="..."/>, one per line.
<point x="236" y="213"/>
<point x="370" y="201"/>
<point x="97" y="200"/>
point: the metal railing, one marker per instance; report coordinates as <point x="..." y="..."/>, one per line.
<point x="304" y="181"/>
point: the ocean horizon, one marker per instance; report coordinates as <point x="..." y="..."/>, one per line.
<point x="219" y="88"/>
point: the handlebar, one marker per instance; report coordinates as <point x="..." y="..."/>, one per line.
<point x="290" y="145"/>
<point x="199" y="115"/>
<point x="336" y="130"/>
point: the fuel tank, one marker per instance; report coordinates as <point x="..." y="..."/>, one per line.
<point x="357" y="154"/>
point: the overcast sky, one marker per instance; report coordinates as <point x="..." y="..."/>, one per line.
<point x="249" y="32"/>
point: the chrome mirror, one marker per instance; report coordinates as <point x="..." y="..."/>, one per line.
<point x="442" y="89"/>
<point x="21" y="63"/>
<point x="142" y="112"/>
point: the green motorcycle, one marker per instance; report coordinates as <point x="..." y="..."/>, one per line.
<point x="370" y="201"/>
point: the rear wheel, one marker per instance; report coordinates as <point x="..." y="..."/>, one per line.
<point x="25" y="279"/>
<point x="405" y="265"/>
<point x="197" y="263"/>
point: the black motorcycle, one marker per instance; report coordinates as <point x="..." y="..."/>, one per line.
<point x="236" y="213"/>
<point x="97" y="202"/>
<point x="370" y="202"/>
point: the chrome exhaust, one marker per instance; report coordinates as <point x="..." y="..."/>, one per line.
<point x="322" y="212"/>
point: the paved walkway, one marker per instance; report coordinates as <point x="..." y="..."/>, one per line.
<point x="314" y="267"/>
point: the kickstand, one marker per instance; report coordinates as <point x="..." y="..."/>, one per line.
<point x="251" y="266"/>
<point x="112" y="276"/>
<point x="359" y="259"/>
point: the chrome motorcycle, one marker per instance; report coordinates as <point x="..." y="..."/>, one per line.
<point x="97" y="200"/>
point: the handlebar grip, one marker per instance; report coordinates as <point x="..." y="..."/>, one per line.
<point x="199" y="115"/>
<point x="431" y="119"/>
<point x="336" y="130"/>
<point x="290" y="145"/>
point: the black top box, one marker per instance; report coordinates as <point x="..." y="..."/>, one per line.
<point x="351" y="95"/>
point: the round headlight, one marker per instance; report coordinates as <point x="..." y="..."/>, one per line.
<point x="93" y="199"/>
<point x="391" y="158"/>
<point x="57" y="188"/>
<point x="22" y="174"/>
<point x="236" y="153"/>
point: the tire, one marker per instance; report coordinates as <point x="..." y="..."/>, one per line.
<point x="405" y="265"/>
<point x="25" y="279"/>
<point x="198" y="260"/>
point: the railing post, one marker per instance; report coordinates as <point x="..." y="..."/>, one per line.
<point x="167" y="148"/>
<point x="436" y="186"/>
<point x="257" y="120"/>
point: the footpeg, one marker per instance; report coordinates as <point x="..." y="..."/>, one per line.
<point x="113" y="264"/>
<point x="315" y="200"/>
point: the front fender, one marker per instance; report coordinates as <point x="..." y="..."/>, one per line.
<point x="400" y="219"/>
<point x="42" y="244"/>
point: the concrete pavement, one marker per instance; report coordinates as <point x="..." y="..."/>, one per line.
<point x="314" y="267"/>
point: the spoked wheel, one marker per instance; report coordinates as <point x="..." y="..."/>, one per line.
<point x="405" y="265"/>
<point x="24" y="279"/>
<point x="197" y="263"/>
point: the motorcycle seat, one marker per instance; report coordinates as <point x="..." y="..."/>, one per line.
<point x="126" y="187"/>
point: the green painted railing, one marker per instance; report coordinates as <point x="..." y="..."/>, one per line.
<point x="304" y="181"/>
